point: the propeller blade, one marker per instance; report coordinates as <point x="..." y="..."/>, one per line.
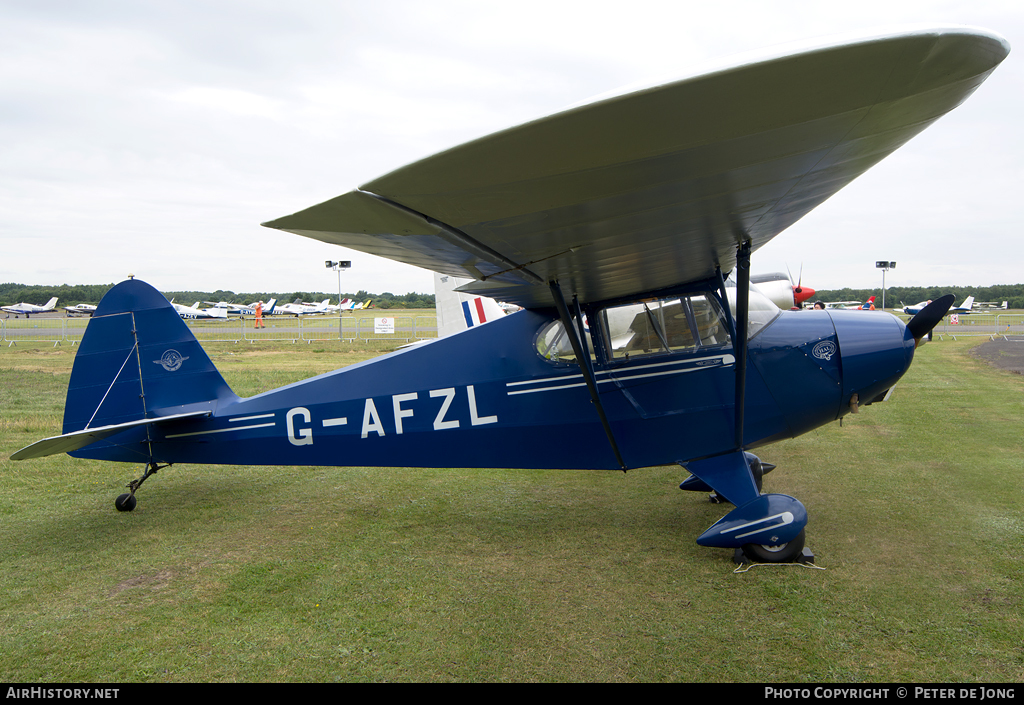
<point x="929" y="316"/>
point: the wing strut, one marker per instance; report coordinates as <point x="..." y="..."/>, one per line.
<point x="742" y="306"/>
<point x="584" y="361"/>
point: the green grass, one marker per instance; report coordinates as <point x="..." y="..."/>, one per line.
<point x="244" y="573"/>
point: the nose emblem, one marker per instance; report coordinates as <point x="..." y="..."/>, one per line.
<point x="824" y="350"/>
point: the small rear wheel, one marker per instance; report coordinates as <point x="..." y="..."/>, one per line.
<point x="782" y="553"/>
<point x="125" y="502"/>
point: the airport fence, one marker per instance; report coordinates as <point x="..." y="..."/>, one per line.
<point x="980" y="324"/>
<point x="382" y="330"/>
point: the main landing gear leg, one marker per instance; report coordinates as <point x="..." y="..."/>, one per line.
<point x="768" y="528"/>
<point x="127" y="502"/>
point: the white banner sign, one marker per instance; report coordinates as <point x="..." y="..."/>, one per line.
<point x="383" y="326"/>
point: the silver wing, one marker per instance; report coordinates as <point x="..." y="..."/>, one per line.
<point x="656" y="188"/>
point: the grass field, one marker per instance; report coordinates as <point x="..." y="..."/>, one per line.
<point x="246" y="573"/>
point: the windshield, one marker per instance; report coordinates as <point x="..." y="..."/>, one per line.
<point x="761" y="309"/>
<point x="659" y="326"/>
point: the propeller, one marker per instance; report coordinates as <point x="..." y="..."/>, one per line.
<point x="800" y="293"/>
<point x="921" y="324"/>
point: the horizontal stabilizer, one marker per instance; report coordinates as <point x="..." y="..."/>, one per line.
<point x="80" y="439"/>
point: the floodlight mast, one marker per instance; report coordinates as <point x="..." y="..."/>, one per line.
<point x="337" y="267"/>
<point x="885" y="267"/>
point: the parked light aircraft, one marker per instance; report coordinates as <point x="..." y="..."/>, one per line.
<point x="627" y="212"/>
<point x="781" y="290"/>
<point x="29" y="309"/>
<point x="80" y="310"/>
<point x="868" y="305"/>
<point x="457" y="311"/>
<point x="297" y="308"/>
<point x="916" y="308"/>
<point x="246" y="310"/>
<point x="350" y="305"/>
<point x="193" y="312"/>
<point x="966" y="307"/>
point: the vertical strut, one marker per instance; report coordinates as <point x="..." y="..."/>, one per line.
<point x="584" y="361"/>
<point x="740" y="346"/>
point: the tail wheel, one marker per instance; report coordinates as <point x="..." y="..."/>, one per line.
<point x="783" y="553"/>
<point x="125" y="502"/>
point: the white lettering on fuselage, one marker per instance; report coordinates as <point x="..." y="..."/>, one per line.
<point x="305" y="435"/>
<point x="402" y="407"/>
<point x="371" y="420"/>
<point x="439" y="423"/>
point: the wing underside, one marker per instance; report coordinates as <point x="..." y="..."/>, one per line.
<point x="656" y="188"/>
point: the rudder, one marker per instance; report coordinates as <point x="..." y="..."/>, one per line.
<point x="138" y="359"/>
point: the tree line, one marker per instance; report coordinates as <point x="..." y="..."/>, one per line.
<point x="69" y="295"/>
<point x="910" y="295"/>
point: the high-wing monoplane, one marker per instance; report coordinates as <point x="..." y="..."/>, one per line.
<point x="80" y="310"/>
<point x="615" y="225"/>
<point x="29" y="309"/>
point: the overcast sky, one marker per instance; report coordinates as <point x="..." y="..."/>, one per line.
<point x="153" y="138"/>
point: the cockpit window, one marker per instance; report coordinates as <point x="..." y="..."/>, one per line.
<point x="761" y="310"/>
<point x="669" y="325"/>
<point x="553" y="343"/>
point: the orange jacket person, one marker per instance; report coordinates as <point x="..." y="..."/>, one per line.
<point x="259" y="315"/>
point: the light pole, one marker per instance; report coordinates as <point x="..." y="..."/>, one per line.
<point x="337" y="267"/>
<point x="885" y="267"/>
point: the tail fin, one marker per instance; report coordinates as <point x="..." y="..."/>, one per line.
<point x="138" y="360"/>
<point x="51" y="303"/>
<point x="457" y="311"/>
<point x="269" y="308"/>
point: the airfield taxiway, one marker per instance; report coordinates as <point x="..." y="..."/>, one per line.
<point x="1004" y="353"/>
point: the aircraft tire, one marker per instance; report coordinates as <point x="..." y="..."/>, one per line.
<point x="125" y="502"/>
<point x="786" y="553"/>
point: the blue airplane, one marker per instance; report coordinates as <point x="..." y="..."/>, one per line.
<point x="615" y="226"/>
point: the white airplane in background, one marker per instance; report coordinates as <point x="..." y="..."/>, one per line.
<point x="80" y="310"/>
<point x="343" y="305"/>
<point x="297" y="308"/>
<point x="28" y="309"/>
<point x="990" y="306"/>
<point x="781" y="290"/>
<point x="195" y="313"/>
<point x="965" y="307"/>
<point x="242" y="309"/>
<point x="457" y="311"/>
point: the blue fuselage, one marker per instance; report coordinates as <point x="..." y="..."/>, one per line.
<point x="486" y="398"/>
